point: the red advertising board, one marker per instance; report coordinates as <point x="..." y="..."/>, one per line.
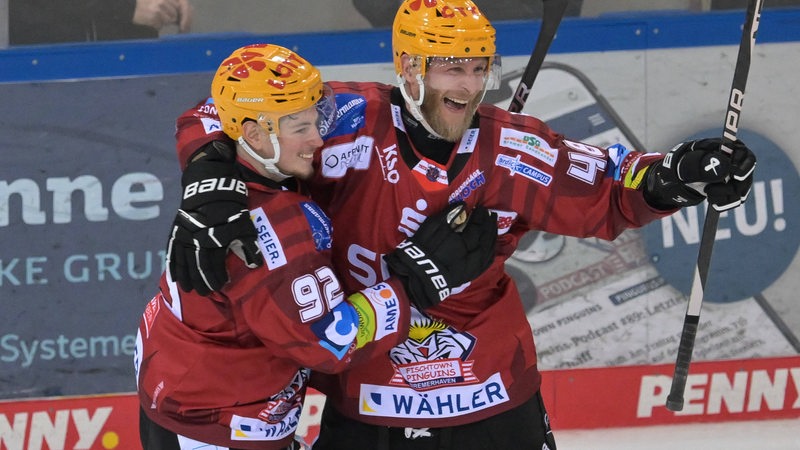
<point x="754" y="389"/>
<point x="716" y="391"/>
<point x="85" y="423"/>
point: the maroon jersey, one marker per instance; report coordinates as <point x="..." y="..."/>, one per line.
<point x="232" y="368"/>
<point x="473" y="355"/>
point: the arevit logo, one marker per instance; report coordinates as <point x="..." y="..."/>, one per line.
<point x="48" y="429"/>
<point x="723" y="393"/>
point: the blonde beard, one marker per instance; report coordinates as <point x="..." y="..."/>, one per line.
<point x="449" y="132"/>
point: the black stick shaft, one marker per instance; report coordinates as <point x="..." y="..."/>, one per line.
<point x="553" y="11"/>
<point x="733" y="111"/>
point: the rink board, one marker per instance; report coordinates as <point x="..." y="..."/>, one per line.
<point x="721" y="391"/>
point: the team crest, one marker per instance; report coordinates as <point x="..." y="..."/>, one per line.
<point x="433" y="355"/>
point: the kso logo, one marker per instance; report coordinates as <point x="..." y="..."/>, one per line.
<point x="755" y="242"/>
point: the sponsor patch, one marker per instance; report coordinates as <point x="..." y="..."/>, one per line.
<point x="210" y="125"/>
<point x="320" y="224"/>
<point x="388" y="159"/>
<point x="151" y="312"/>
<point x="397" y="118"/>
<point x="468" y="141"/>
<point x="530" y="144"/>
<point x="515" y="166"/>
<point x="337" y="330"/>
<point x="427" y="375"/>
<point x="250" y="429"/>
<point x="474" y="181"/>
<point x="349" y="114"/>
<point x="268" y="240"/>
<point x="634" y="175"/>
<point x="350" y="155"/>
<point x="504" y="220"/>
<point x="450" y="401"/>
<point x="386" y="306"/>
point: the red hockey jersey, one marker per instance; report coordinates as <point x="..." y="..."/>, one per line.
<point x="232" y="368"/>
<point x="472" y="356"/>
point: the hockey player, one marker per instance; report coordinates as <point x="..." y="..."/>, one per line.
<point x="466" y="377"/>
<point x="231" y="369"/>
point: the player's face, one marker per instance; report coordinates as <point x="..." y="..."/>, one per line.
<point x="453" y="89"/>
<point x="299" y="139"/>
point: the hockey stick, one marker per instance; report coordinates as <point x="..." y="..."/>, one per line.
<point x="734" y="109"/>
<point x="551" y="18"/>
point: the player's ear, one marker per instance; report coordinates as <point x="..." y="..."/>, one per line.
<point x="257" y="137"/>
<point x="411" y="66"/>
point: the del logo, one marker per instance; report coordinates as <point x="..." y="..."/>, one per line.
<point x="515" y="166"/>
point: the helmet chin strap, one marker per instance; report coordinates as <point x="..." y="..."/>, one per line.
<point x="269" y="164"/>
<point x="413" y="105"/>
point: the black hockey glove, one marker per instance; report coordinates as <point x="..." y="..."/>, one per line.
<point x="213" y="218"/>
<point x="694" y="170"/>
<point x="449" y="249"/>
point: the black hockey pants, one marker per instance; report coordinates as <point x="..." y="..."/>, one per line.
<point x="524" y="427"/>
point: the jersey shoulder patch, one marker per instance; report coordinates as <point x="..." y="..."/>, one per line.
<point x="320" y="224"/>
<point x="350" y="114"/>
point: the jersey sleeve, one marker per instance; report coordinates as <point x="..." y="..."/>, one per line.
<point x="562" y="186"/>
<point x="296" y="303"/>
<point x="195" y="128"/>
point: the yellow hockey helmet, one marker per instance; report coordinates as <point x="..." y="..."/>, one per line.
<point x="441" y="28"/>
<point x="264" y="82"/>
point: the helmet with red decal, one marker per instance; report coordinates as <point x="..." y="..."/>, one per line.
<point x="264" y="82"/>
<point x="441" y="28"/>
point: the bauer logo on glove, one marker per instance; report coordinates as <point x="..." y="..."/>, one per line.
<point x="450" y="249"/>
